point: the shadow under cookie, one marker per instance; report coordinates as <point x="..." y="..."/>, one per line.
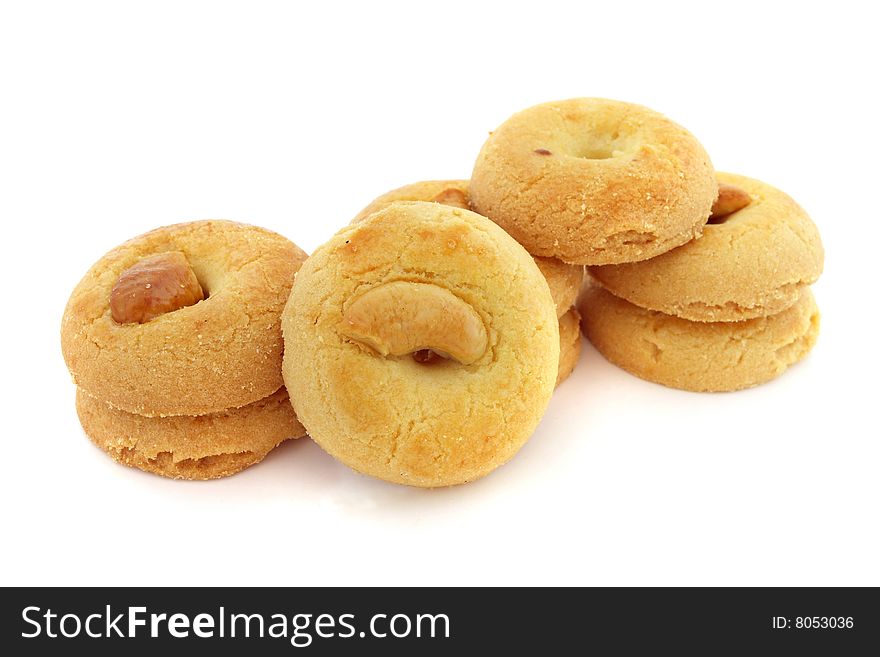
<point x="183" y="447"/>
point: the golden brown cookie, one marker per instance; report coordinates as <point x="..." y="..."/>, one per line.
<point x="207" y="356"/>
<point x="448" y="192"/>
<point x="594" y="181"/>
<point x="421" y="345"/>
<point x="569" y="344"/>
<point x="565" y="280"/>
<point x="698" y="356"/>
<point x="749" y="263"/>
<point x="203" y="447"/>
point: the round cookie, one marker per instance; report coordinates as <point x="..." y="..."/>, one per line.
<point x="594" y="181"/>
<point x="570" y="343"/>
<point x="203" y="447"/>
<point x="750" y="263"/>
<point x="565" y="280"/>
<point x="698" y="356"/>
<point x="222" y="352"/>
<point x="370" y="312"/>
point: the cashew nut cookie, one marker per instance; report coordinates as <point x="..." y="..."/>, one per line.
<point x="421" y="345"/>
<point x="594" y="181"/>
<point x="570" y="343"/>
<point x="181" y="447"/>
<point x="565" y="280"/>
<point x="756" y="255"/>
<point x="183" y="320"/>
<point x="698" y="356"/>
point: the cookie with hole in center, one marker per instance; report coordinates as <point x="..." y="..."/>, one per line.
<point x="594" y="181"/>
<point x="421" y="345"/>
<point x="183" y="320"/>
<point x="182" y="447"/>
<point x="758" y="252"/>
<point x="698" y="356"/>
<point x="565" y="280"/>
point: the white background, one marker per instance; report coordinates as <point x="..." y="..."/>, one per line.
<point x="119" y="117"/>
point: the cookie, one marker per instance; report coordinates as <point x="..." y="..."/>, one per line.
<point x="753" y="260"/>
<point x="565" y="280"/>
<point x="203" y="447"/>
<point x="570" y="342"/>
<point x="421" y="345"/>
<point x="594" y="181"/>
<point x="195" y="356"/>
<point x="448" y="192"/>
<point x="698" y="356"/>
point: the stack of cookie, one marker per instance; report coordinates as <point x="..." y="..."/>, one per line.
<point x="563" y="279"/>
<point x="730" y="310"/>
<point x="696" y="282"/>
<point x="422" y="343"/>
<point x="174" y="341"/>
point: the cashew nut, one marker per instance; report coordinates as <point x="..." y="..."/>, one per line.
<point x="401" y="317"/>
<point x="730" y="199"/>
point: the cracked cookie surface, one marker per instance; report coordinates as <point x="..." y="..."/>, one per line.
<point x="425" y="420"/>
